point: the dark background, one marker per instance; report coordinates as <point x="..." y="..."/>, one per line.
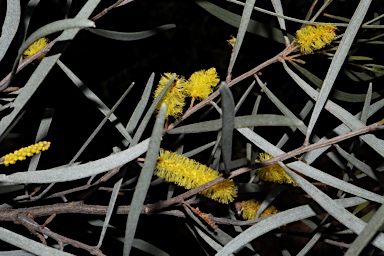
<point x="108" y="67"/>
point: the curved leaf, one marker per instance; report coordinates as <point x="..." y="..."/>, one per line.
<point x="10" y="26"/>
<point x="337" y="94"/>
<point x="275" y="221"/>
<point x="130" y="36"/>
<point x="240" y="121"/>
<point x="54" y="27"/>
<point x="68" y="173"/>
<point x="232" y="19"/>
<point x="338" y="212"/>
<point x="29" y="244"/>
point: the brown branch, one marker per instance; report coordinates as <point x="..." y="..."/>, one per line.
<point x="24" y="63"/>
<point x="102" y="179"/>
<point x="238" y="79"/>
<point x="26" y="219"/>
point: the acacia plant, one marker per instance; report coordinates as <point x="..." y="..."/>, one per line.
<point x="259" y="134"/>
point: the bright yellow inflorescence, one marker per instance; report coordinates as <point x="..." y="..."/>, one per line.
<point x="199" y="86"/>
<point x="232" y="41"/>
<point x="273" y="173"/>
<point x="311" y="38"/>
<point x="201" y="83"/>
<point x="190" y="174"/>
<point x="22" y="153"/>
<point x="174" y="98"/>
<point x="249" y="209"/>
<point x="35" y="47"/>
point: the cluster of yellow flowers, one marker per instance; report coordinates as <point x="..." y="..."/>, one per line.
<point x="21" y="154"/>
<point x="199" y="86"/>
<point x="35" y="47"/>
<point x="249" y="209"/>
<point x="190" y="174"/>
<point x="273" y="173"/>
<point x="312" y="38"/>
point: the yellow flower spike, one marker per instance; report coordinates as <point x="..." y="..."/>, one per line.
<point x="21" y="154"/>
<point x="273" y="173"/>
<point x="311" y="38"/>
<point x="249" y="209"/>
<point x="174" y="98"/>
<point x="35" y="47"/>
<point x="201" y="83"/>
<point x="190" y="174"/>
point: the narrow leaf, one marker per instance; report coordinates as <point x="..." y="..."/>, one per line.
<point x="337" y="62"/>
<point x="228" y="124"/>
<point x="245" y="18"/>
<point x="275" y="221"/>
<point x="370" y="230"/>
<point x="233" y="19"/>
<point x="244" y="96"/>
<point x="286" y="111"/>
<point x="76" y="172"/>
<point x="41" y="135"/>
<point x="10" y="26"/>
<point x="338" y="212"/>
<point x="279" y="10"/>
<point x="150" y="111"/>
<point x="131" y="36"/>
<point x="100" y="125"/>
<point x="148" y="248"/>
<point x="54" y="27"/>
<point x="140" y="107"/>
<point x="199" y="149"/>
<point x="337" y="94"/>
<point x="29" y="244"/>
<point x="240" y="121"/>
<point x="144" y="181"/>
<point x="356" y="162"/>
<point x="110" y="210"/>
<point x="94" y="99"/>
<point x="28" y="11"/>
<point x="10" y="188"/>
<point x="367" y="104"/>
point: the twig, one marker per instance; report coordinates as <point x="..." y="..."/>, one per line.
<point x="238" y="79"/>
<point x="27" y="221"/>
